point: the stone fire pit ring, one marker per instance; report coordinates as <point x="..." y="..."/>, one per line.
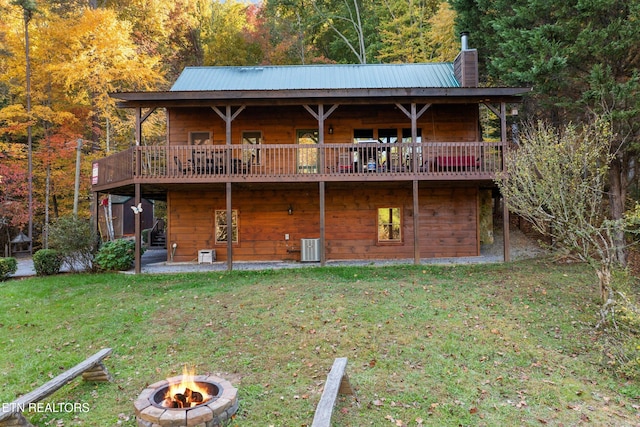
<point x="216" y="412"/>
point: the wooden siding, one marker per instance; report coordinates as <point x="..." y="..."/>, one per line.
<point x="448" y="221"/>
<point x="443" y="122"/>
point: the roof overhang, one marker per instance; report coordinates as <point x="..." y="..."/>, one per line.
<point x="318" y="96"/>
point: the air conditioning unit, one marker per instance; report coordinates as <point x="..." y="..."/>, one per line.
<point x="310" y="250"/>
<point x="206" y="256"/>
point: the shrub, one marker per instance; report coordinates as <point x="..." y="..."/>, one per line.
<point x="7" y="266"/>
<point x="117" y="255"/>
<point x="47" y="262"/>
<point x="620" y="341"/>
<point x="76" y="241"/>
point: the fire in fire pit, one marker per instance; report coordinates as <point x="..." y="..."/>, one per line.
<point x="187" y="400"/>
<point x="187" y="393"/>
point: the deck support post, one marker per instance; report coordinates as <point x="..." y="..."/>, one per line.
<point x="228" y="116"/>
<point x="138" y="125"/>
<point x="416" y="223"/>
<point x="229" y="229"/>
<point x="96" y="214"/>
<point x="137" y="219"/>
<point x="323" y="255"/>
<point x="414" y="115"/>
<point x="321" y="116"/>
<point x="136" y="200"/>
<point x="502" y="115"/>
<point x="505" y="208"/>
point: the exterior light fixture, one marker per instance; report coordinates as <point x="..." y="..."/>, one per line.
<point x="330" y="129"/>
<point x="290" y="210"/>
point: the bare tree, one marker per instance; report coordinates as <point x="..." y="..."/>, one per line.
<point x="557" y="180"/>
<point x="354" y="21"/>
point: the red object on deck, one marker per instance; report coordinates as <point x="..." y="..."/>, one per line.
<point x="457" y="161"/>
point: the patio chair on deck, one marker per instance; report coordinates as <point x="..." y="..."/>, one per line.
<point x="179" y="167"/>
<point x="240" y="167"/>
<point x="218" y="164"/>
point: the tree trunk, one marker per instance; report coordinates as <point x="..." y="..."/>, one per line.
<point x="617" y="197"/>
<point x="607" y="316"/>
<point x="604" y="279"/>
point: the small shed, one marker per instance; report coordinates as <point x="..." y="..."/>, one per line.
<point x="123" y="217"/>
<point x="21" y="244"/>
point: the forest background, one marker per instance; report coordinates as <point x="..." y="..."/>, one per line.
<point x="581" y="57"/>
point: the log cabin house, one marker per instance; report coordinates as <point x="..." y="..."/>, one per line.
<point x="317" y="163"/>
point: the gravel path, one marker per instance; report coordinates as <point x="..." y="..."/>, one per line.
<point x="155" y="261"/>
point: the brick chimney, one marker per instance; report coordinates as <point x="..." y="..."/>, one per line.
<point x="465" y="66"/>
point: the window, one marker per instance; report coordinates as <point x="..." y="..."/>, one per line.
<point x="307" y="151"/>
<point x="388" y="136"/>
<point x="406" y="135"/>
<point x="364" y="156"/>
<point x="251" y="156"/>
<point x="389" y="225"/>
<point x="388" y="157"/>
<point x="406" y="138"/>
<point x="221" y="226"/>
<point x="199" y="138"/>
<point x="362" y="135"/>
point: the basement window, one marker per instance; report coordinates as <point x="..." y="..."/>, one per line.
<point x="389" y="225"/>
<point x="221" y="226"/>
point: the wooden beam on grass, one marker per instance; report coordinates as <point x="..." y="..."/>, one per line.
<point x="337" y="382"/>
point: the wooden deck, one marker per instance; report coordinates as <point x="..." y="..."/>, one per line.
<point x="298" y="163"/>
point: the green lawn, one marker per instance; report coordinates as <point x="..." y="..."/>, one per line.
<point x="495" y="345"/>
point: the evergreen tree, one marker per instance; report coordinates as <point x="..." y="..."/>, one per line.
<point x="579" y="56"/>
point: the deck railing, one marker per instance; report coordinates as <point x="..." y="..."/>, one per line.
<point x="284" y="162"/>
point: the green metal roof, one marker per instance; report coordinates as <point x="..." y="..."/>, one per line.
<point x="321" y="77"/>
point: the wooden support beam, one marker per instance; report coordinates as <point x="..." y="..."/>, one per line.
<point x="146" y="115"/>
<point x="229" y="116"/>
<point x="96" y="213"/>
<point x="413" y="114"/>
<point x="416" y="223"/>
<point x="98" y="373"/>
<point x="337" y="382"/>
<point x="138" y="125"/>
<point x="137" y="218"/>
<point x="229" y="227"/>
<point x="505" y="212"/>
<point x="323" y="252"/>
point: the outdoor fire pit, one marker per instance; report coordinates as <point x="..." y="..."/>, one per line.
<point x="187" y="400"/>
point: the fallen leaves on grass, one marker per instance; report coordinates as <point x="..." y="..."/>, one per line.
<point x="398" y="423"/>
<point x="377" y="402"/>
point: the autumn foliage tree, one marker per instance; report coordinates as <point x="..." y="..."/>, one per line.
<point x="78" y="56"/>
<point x="228" y="40"/>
